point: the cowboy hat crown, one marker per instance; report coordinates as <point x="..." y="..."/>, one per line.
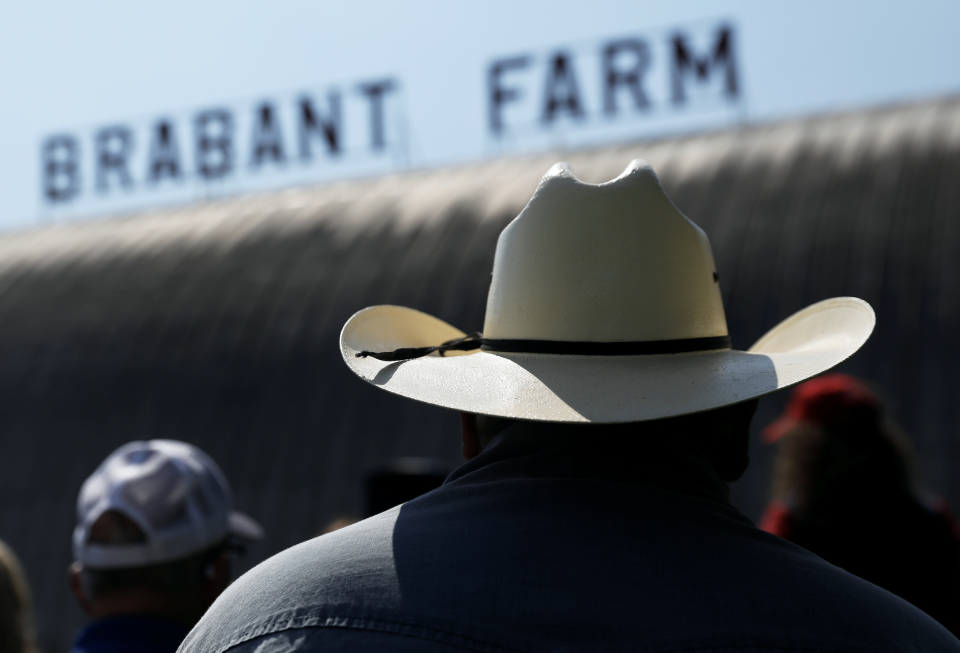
<point x="604" y="307"/>
<point x="608" y="262"/>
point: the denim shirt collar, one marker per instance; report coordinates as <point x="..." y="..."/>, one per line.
<point x="550" y="450"/>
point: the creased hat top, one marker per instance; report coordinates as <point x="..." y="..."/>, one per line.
<point x="604" y="263"/>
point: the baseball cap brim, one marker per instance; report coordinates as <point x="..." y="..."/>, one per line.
<point x="244" y="527"/>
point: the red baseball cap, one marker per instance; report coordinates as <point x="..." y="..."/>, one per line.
<point x="827" y="400"/>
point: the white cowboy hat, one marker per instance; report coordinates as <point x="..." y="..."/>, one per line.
<point x="604" y="307"/>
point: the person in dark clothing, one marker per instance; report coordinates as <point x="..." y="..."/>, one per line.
<point x="155" y="527"/>
<point x="603" y="413"/>
<point x="845" y="490"/>
<point x="394" y="482"/>
<point x="400" y="480"/>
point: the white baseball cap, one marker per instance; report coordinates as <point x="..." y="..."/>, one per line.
<point x="173" y="491"/>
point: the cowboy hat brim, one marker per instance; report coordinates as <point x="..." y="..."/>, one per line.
<point x="600" y="389"/>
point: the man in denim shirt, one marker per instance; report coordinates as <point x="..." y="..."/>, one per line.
<point x="603" y="414"/>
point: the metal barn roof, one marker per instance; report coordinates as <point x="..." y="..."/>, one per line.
<point x="218" y="323"/>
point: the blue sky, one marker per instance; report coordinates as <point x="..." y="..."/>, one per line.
<point x="73" y="67"/>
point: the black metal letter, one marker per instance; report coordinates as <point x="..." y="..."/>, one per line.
<point x="312" y="122"/>
<point x="113" y="148"/>
<point x="164" y="152"/>
<point x="61" y="168"/>
<point x="500" y="95"/>
<point x="684" y="62"/>
<point x="267" y="139"/>
<point x="561" y="93"/>
<point x="375" y="92"/>
<point x="631" y="77"/>
<point x="214" y="148"/>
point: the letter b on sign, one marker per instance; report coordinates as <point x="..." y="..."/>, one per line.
<point x="61" y="168"/>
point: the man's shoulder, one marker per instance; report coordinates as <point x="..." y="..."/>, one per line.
<point x="307" y="585"/>
<point x="497" y="574"/>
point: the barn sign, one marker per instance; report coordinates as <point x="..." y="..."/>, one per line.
<point x="219" y="143"/>
<point x="567" y="95"/>
<point x="580" y="87"/>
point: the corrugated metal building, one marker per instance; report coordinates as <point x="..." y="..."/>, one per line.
<point x="218" y="323"/>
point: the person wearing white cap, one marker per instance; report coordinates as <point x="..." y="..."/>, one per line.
<point x="154" y="528"/>
<point x="603" y="414"/>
